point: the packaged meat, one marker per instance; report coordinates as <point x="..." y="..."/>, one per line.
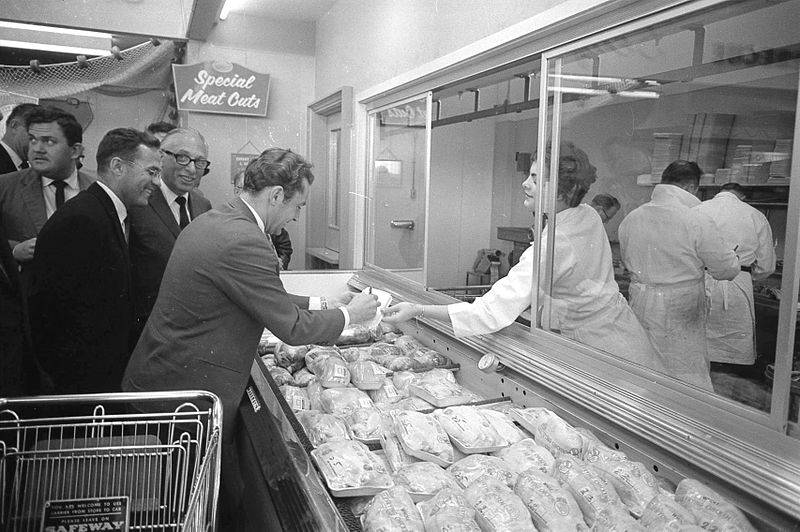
<point x="389" y="328"/>
<point x="423" y="479"/>
<point x="551" y="505"/>
<point x="441" y="394"/>
<point x="422" y="436"/>
<point x="392" y="511"/>
<point x="474" y="466"/>
<point x="367" y="375"/>
<point x="427" y="359"/>
<point x="408" y="345"/>
<point x="280" y="376"/>
<point x="503" y="424"/>
<point x="350" y="470"/>
<point x="358" y="505"/>
<point x="382" y="349"/>
<point x="354" y="354"/>
<point x="358" y="334"/>
<point x="615" y="519"/>
<point x="497" y="507"/>
<point x="436" y="376"/>
<point x="711" y="509"/>
<point x="399" y="364"/>
<point x="396" y="456"/>
<point x="387" y="393"/>
<point x="321" y="428"/>
<point x="334" y="373"/>
<point x="452" y="520"/>
<point x="664" y="514"/>
<point x="269" y="361"/>
<point x="343" y="401"/>
<point x="634" y="484"/>
<point x="596" y="451"/>
<point x="365" y="424"/>
<point x="317" y="355"/>
<point x="593" y="493"/>
<point x="469" y="431"/>
<point x="401" y="380"/>
<point x="296" y="397"/>
<point x="302" y="377"/>
<point x="314" y="391"/>
<point x="550" y="431"/>
<point x="527" y="454"/>
<point x="445" y="500"/>
<point x="290" y="357"/>
<point x="411" y="403"/>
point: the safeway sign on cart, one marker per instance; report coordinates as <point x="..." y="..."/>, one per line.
<point x="220" y="87"/>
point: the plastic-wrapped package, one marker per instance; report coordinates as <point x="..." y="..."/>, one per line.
<point x="446" y="499"/>
<point x="550" y="431"/>
<point x="317" y="355"/>
<point x="400" y="364"/>
<point x="342" y="401"/>
<point x="423" y="437"/>
<point x="390" y="511"/>
<point x="441" y="394"/>
<point x="527" y="454"/>
<point x="552" y="506"/>
<point x="664" y="514"/>
<point x="321" y="427"/>
<point x="281" y="376"/>
<point x="423" y="479"/>
<point x="634" y="484"/>
<point x="354" y="354"/>
<point x="436" y="376"/>
<point x="314" y="391"/>
<point x="452" y="520"/>
<point x="596" y="451"/>
<point x="367" y="375"/>
<point x="474" y="466"/>
<point x="396" y="456"/>
<point x="387" y="393"/>
<point x="382" y="349"/>
<point x="401" y="380"/>
<point x="615" y="519"/>
<point x="269" y="361"/>
<point x="408" y="345"/>
<point x="358" y="334"/>
<point x="350" y="470"/>
<point x="497" y="508"/>
<point x="469" y="431"/>
<point x="711" y="509"/>
<point x="365" y="424"/>
<point x="334" y="373"/>
<point x="593" y="493"/>
<point x="302" y="377"/>
<point x="296" y="397"/>
<point x="289" y="356"/>
<point x="427" y="359"/>
<point x="410" y="403"/>
<point x="503" y="424"/>
<point x="389" y="328"/>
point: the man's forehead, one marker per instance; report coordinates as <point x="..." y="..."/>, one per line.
<point x="45" y="127"/>
<point x="186" y="143"/>
<point x="148" y="156"/>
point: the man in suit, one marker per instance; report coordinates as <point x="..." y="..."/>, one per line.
<point x="155" y="226"/>
<point x="16" y="363"/>
<point x="281" y="241"/>
<point x="29" y="197"/>
<point x="220" y="289"/>
<point x="14" y="144"/>
<point x="80" y="300"/>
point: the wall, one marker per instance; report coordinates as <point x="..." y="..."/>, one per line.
<point x="285" y="51"/>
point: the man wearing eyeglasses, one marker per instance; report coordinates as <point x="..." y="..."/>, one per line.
<point x="155" y="226"/>
<point x="81" y="303"/>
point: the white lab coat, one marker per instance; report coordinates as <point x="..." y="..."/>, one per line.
<point x="731" y="313"/>
<point x="586" y="303"/>
<point x="666" y="245"/>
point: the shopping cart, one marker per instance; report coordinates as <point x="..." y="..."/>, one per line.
<point x="150" y="460"/>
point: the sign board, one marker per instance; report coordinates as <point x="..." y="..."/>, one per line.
<point x="412" y="114"/>
<point x="78" y="515"/>
<point x="239" y="162"/>
<point x="220" y="87"/>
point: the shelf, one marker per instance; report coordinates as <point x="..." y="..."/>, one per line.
<point x="746" y="185"/>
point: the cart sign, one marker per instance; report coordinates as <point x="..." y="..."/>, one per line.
<point x="220" y="87"/>
<point x="79" y="515"/>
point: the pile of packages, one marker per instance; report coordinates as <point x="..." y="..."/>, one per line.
<point x="416" y="453"/>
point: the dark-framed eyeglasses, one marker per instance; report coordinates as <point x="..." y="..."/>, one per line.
<point x="184" y="160"/>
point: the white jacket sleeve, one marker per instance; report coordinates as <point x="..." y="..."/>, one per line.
<point x="720" y="261"/>
<point x="764" y="265"/>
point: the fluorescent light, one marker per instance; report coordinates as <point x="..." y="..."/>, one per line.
<point x="53" y="29"/>
<point x="599" y="92"/>
<point x="226" y="7"/>
<point x="53" y="48"/>
<point x="575" y="77"/>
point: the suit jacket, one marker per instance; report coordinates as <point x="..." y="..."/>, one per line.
<point x="220" y="289"/>
<point x="80" y="298"/>
<point x="6" y="164"/>
<point x="283" y="247"/>
<point x="153" y="234"/>
<point x="16" y="364"/>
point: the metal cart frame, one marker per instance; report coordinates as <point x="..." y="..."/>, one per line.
<point x="161" y="450"/>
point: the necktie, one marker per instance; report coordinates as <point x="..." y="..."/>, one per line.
<point x="23" y="165"/>
<point x="184" y="214"/>
<point x="59" y="192"/>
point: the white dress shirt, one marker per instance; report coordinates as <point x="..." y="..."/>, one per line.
<point x="122" y="212"/>
<point x="49" y="190"/>
<point x="11" y="153"/>
<point x="170" y="197"/>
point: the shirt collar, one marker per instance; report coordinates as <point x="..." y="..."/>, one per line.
<point x="169" y="195"/>
<point x="71" y="181"/>
<point x="674" y="194"/>
<point x="11" y="153"/>
<point x="122" y="212"/>
<point x="726" y="194"/>
<point x="259" y="221"/>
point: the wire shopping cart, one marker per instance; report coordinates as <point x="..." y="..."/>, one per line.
<point x="150" y="459"/>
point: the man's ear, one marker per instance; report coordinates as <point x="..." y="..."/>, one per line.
<point x="76" y="150"/>
<point x="276" y="195"/>
<point x="116" y="165"/>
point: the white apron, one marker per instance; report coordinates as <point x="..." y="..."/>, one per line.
<point x="731" y="320"/>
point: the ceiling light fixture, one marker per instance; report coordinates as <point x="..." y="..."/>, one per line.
<point x="53" y="29"/>
<point x="226" y="8"/>
<point x="53" y="48"/>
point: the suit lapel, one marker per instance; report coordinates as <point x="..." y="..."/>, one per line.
<point x="193" y="213"/>
<point x="159" y="204"/>
<point x="33" y="197"/>
<point x="111" y="212"/>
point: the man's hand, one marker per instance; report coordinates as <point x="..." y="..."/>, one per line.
<point x="362" y="307"/>
<point x="401" y="312"/>
<point x="23" y="252"/>
<point x="341" y="300"/>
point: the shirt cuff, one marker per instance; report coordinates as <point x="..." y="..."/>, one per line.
<point x="314" y="303"/>
<point x="346" y="317"/>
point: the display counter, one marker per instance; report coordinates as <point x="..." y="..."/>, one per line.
<point x="677" y="436"/>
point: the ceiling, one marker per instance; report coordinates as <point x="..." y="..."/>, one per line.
<point x="306" y="10"/>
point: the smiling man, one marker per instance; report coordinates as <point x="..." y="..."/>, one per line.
<point x="80" y="300"/>
<point x="155" y="226"/>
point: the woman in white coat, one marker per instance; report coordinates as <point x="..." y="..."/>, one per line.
<point x="585" y="300"/>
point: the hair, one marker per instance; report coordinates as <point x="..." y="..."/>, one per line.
<point x="22" y="112"/>
<point x="606" y="201"/>
<point x="183" y="132"/>
<point x="277" y="167"/>
<point x="69" y="125"/>
<point x="682" y="172"/>
<point x="160" y="127"/>
<point x="122" y="142"/>
<point x="575" y="173"/>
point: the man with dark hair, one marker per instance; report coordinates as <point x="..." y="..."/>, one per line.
<point x="220" y="290"/>
<point x="160" y="129"/>
<point x="731" y="317"/>
<point x="14" y="144"/>
<point x="175" y="203"/>
<point x="606" y="205"/>
<point x="29" y="197"/>
<point x="80" y="301"/>
<point x="667" y="245"/>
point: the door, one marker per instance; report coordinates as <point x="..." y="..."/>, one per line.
<point x="333" y="185"/>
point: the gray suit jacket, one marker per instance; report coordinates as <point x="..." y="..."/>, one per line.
<point x="153" y="234"/>
<point x="220" y="289"/>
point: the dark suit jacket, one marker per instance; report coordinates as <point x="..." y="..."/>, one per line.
<point x="80" y="300"/>
<point x="283" y="247"/>
<point x="153" y="234"/>
<point x="220" y="289"/>
<point x="16" y="364"/>
<point x="6" y="164"/>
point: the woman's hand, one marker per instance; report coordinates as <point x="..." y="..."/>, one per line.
<point x="401" y="312"/>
